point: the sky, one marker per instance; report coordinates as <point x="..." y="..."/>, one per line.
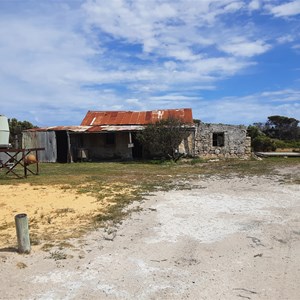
<point x="231" y="61"/>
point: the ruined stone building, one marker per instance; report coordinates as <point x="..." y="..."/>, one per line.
<point x="220" y="140"/>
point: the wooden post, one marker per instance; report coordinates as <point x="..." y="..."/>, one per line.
<point x="24" y="164"/>
<point x="22" y="233"/>
<point x="37" y="162"/>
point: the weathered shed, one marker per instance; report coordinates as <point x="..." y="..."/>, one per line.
<point x="72" y="143"/>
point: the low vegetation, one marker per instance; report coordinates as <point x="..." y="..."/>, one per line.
<point x="278" y="132"/>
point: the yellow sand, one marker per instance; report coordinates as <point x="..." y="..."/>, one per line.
<point x="54" y="212"/>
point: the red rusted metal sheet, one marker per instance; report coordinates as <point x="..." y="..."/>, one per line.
<point x="141" y="117"/>
<point x="93" y="118"/>
<point x="133" y="118"/>
<point x="96" y="121"/>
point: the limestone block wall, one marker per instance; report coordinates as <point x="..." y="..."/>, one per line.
<point x="221" y="140"/>
<point x="187" y="145"/>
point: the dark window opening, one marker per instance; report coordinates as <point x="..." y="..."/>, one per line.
<point x="218" y="139"/>
<point x="110" y="139"/>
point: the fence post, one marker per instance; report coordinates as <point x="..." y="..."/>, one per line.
<point x="22" y="233"/>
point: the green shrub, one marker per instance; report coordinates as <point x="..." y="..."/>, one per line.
<point x="281" y="144"/>
<point x="287" y="144"/>
<point x="263" y="143"/>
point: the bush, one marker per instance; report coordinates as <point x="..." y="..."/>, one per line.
<point x="281" y="144"/>
<point x="263" y="143"/>
<point x="162" y="138"/>
<point x="287" y="144"/>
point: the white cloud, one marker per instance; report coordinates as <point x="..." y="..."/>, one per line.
<point x="234" y="6"/>
<point x="251" y="108"/>
<point x="254" y="5"/>
<point x="287" y="95"/>
<point x="175" y="31"/>
<point x="285" y="39"/>
<point x="287" y="9"/>
<point x="174" y="97"/>
<point x="241" y="47"/>
<point x="296" y="46"/>
<point x="220" y="66"/>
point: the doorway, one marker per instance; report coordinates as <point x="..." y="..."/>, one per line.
<point x="137" y="150"/>
<point x="62" y="146"/>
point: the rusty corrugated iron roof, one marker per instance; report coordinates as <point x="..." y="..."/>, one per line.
<point x="93" y="118"/>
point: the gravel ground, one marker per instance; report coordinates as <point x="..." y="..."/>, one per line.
<point x="223" y="238"/>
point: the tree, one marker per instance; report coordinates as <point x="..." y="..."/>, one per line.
<point x="253" y="131"/>
<point x="259" y="140"/>
<point x="16" y="127"/>
<point x="277" y="131"/>
<point x="282" y="128"/>
<point x="162" y="138"/>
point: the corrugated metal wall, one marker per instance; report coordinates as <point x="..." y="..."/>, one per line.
<point x="41" y="139"/>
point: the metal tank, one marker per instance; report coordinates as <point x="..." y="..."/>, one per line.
<point x="4" y="132"/>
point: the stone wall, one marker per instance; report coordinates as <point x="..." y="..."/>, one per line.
<point x="187" y="145"/>
<point x="222" y="141"/>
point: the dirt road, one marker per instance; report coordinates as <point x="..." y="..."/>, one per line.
<point x="225" y="238"/>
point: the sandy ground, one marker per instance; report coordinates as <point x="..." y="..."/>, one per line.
<point x="49" y="210"/>
<point x="225" y="238"/>
<point x="52" y="211"/>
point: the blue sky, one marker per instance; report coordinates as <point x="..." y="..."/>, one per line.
<point x="234" y="62"/>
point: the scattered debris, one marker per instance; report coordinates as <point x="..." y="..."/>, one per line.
<point x="21" y="265"/>
<point x="280" y="240"/>
<point x="256" y="241"/>
<point x="258" y="255"/>
<point x="152" y="209"/>
<point x="3" y="258"/>
<point x="245" y="290"/>
<point x="109" y="234"/>
<point x="154" y="260"/>
<point x="239" y="295"/>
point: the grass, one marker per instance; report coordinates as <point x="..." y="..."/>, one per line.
<point x="144" y="177"/>
<point x="57" y="255"/>
<point x="109" y="179"/>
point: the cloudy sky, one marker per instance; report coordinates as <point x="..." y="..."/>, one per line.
<point x="231" y="61"/>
